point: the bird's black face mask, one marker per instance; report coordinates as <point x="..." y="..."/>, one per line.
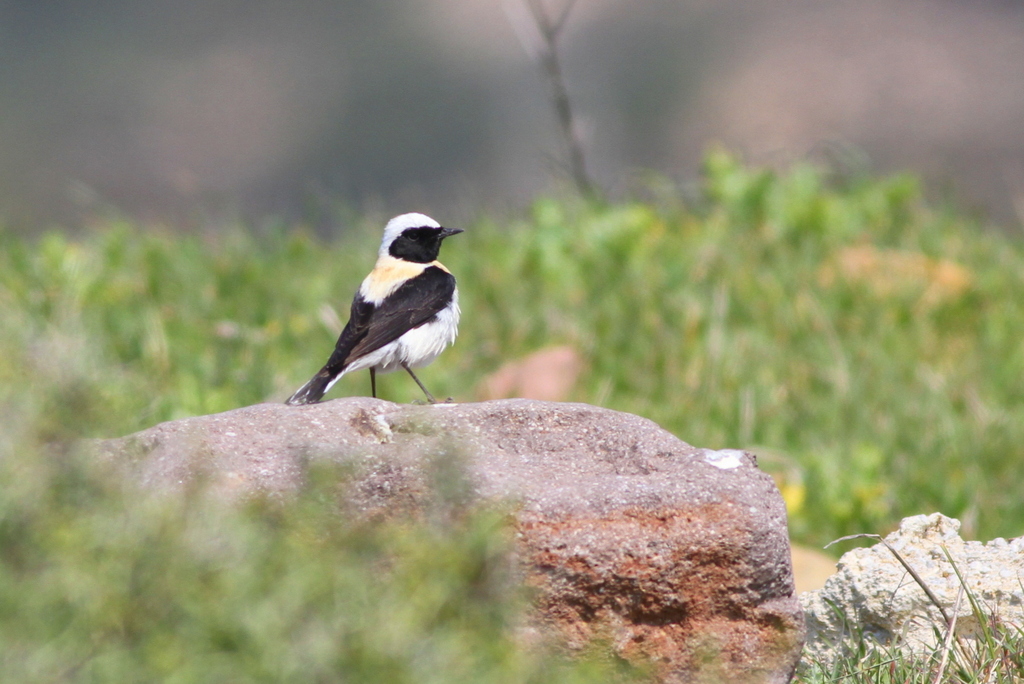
<point x="420" y="245"/>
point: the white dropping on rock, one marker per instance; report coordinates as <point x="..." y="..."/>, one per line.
<point x="726" y="459"/>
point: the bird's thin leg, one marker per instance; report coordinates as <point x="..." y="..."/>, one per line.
<point x="430" y="397"/>
<point x="373" y="382"/>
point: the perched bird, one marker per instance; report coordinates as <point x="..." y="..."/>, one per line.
<point x="404" y="314"/>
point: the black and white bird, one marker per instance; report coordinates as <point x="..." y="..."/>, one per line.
<point x="404" y="314"/>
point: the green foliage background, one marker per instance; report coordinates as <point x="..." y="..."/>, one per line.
<point x="727" y="319"/>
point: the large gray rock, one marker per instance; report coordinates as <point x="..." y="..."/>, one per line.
<point x="873" y="594"/>
<point x="678" y="554"/>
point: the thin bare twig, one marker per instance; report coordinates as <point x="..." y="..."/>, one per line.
<point x="546" y="53"/>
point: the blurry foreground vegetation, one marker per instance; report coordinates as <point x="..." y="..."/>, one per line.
<point x="100" y="585"/>
<point x="870" y="349"/>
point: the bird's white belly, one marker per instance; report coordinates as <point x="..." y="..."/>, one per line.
<point x="418" y="347"/>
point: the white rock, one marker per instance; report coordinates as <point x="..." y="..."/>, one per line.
<point x="873" y="593"/>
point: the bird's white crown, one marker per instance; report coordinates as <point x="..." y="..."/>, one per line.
<point x="399" y="224"/>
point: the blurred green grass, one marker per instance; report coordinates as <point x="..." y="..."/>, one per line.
<point x="869" y="347"/>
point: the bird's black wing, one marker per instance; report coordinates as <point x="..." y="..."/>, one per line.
<point x="359" y="321"/>
<point x="415" y="302"/>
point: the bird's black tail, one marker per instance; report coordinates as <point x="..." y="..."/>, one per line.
<point x="314" y="390"/>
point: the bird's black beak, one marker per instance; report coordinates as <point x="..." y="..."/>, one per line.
<point x="448" y="232"/>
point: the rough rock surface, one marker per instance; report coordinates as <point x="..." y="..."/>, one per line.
<point x="874" y="593"/>
<point x="674" y="553"/>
